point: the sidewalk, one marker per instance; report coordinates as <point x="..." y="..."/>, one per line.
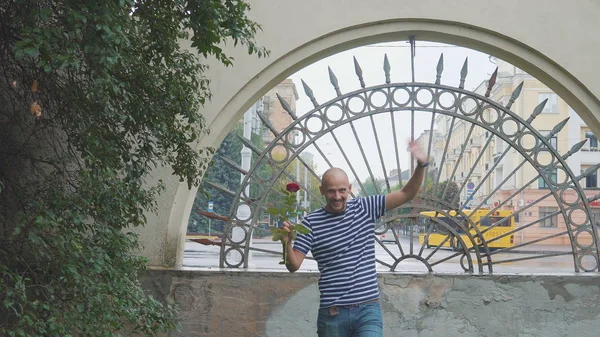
<point x="529" y="249"/>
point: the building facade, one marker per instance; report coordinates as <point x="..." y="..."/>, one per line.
<point x="492" y="173"/>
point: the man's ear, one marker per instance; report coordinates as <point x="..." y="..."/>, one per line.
<point x="349" y="188"/>
<point x="321" y="190"/>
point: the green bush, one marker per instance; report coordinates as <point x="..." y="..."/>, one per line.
<point x="94" y="95"/>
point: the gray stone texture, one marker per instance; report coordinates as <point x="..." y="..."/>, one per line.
<point x="237" y="303"/>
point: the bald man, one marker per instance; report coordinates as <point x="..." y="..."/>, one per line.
<point x="342" y="242"/>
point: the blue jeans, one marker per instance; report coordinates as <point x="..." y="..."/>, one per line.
<point x="362" y="320"/>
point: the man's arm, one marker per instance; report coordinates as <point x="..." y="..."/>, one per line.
<point x="294" y="257"/>
<point x="410" y="190"/>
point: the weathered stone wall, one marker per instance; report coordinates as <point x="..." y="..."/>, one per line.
<point x="230" y="303"/>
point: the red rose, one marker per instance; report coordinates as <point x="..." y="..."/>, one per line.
<point x="292" y="187"/>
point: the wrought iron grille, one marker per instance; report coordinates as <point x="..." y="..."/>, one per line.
<point x="432" y="212"/>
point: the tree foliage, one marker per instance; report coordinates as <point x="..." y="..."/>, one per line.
<point x="372" y="186"/>
<point x="94" y="95"/>
<point x="223" y="174"/>
<point x="441" y="196"/>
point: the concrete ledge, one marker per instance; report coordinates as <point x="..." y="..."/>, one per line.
<point x="239" y="303"/>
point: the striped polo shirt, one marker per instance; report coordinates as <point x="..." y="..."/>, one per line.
<point x="343" y="245"/>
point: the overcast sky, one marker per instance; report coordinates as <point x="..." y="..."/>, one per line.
<point x="371" y="61"/>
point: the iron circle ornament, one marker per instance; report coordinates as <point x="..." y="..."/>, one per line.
<point x="331" y="115"/>
<point x="356" y="104"/>
<point x="464" y="263"/>
<point x="373" y="97"/>
<point x="584" y="239"/>
<point x="544" y="159"/>
<point x="562" y="178"/>
<point x="424" y="101"/>
<point x="231" y="236"/>
<point x="244" y="211"/>
<point x="401" y="96"/>
<point x="527" y="141"/>
<point x="578" y="217"/>
<point x="588" y="262"/>
<point x="445" y="93"/>
<point x="314" y="119"/>
<point x="279" y="153"/>
<point x="259" y="189"/>
<point x="469" y="106"/>
<point x="228" y="252"/>
<point x="569" y="191"/>
<point x="506" y="127"/>
<point x="299" y="137"/>
<point x="490" y="115"/>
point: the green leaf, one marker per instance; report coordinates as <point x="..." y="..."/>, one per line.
<point x="301" y="229"/>
<point x="273" y="211"/>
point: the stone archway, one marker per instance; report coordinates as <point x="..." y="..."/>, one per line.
<point x="562" y="66"/>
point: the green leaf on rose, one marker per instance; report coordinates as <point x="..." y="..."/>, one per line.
<point x="301" y="229"/>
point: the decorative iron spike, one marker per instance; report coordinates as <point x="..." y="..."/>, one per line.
<point x="538" y="110"/>
<point x="590" y="171"/>
<point x="221" y="188"/>
<point x="308" y="91"/>
<point x="286" y="107"/>
<point x="491" y="83"/>
<point x="515" y="95"/>
<point x="463" y="73"/>
<point x="439" y="69"/>
<point x="233" y="165"/>
<point x="594" y="198"/>
<point x="249" y="144"/>
<point x="268" y="124"/>
<point x="334" y="82"/>
<point x="386" y="69"/>
<point x="359" y="73"/>
<point x="576" y="148"/>
<point x="557" y="128"/>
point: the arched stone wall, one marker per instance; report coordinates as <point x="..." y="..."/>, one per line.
<point x="551" y="40"/>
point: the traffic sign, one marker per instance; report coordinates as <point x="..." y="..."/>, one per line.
<point x="210" y="206"/>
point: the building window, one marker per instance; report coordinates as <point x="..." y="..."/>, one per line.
<point x="498" y="176"/>
<point x="591" y="181"/>
<point x="498" y="145"/>
<point x="550" y="221"/>
<point x="553" y="177"/>
<point x="552" y="104"/>
<point x="553" y="141"/>
<point x="592" y="141"/>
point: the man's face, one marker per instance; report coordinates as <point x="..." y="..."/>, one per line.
<point x="335" y="189"/>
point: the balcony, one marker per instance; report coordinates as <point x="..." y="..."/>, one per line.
<point x="590" y="156"/>
<point x="476" y="172"/>
<point x="452" y="155"/>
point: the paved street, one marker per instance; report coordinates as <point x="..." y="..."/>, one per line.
<point x="207" y="257"/>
